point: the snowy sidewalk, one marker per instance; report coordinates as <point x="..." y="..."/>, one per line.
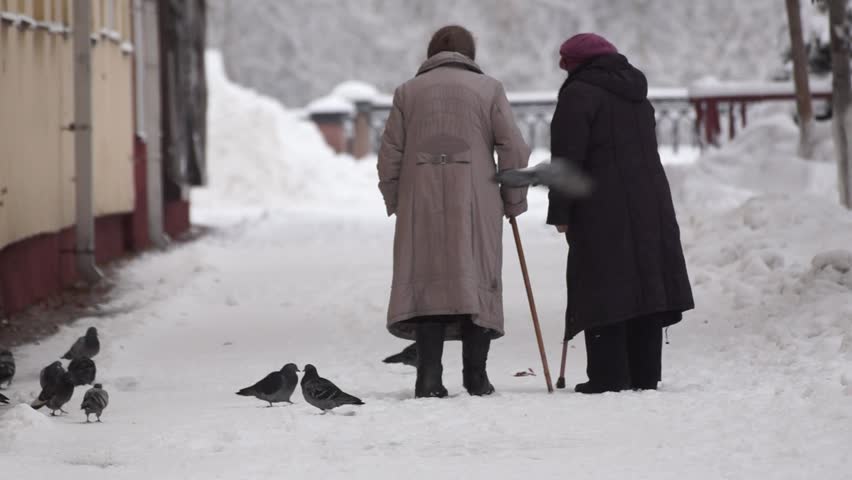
<point x="756" y="381"/>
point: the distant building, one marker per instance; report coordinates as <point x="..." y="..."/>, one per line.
<point x="146" y="128"/>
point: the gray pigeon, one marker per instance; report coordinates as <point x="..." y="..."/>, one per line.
<point x="95" y="401"/>
<point x="276" y="387"/>
<point x="323" y="394"/>
<point x="4" y="399"/>
<point x="86" y="346"/>
<point x="408" y="356"/>
<point x="559" y="175"/>
<point x="83" y="370"/>
<point x="7" y="367"/>
<point x="50" y="374"/>
<point x="56" y="395"/>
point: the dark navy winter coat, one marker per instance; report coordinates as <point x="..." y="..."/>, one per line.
<point x="625" y="258"/>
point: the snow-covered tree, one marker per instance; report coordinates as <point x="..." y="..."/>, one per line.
<point x="298" y="50"/>
<point x="800" y="75"/>
<point x="839" y="21"/>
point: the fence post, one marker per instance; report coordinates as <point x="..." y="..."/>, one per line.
<point x="732" y="125"/>
<point x="713" y="124"/>
<point x="361" y="142"/>
<point x="331" y="114"/>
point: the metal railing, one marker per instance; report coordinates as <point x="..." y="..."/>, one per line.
<point x="686" y="117"/>
<point x="533" y="110"/>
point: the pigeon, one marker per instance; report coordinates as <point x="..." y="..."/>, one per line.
<point x="4" y="399"/>
<point x="408" y="356"/>
<point x="85" y="347"/>
<point x="323" y="394"/>
<point x="57" y="394"/>
<point x="562" y="176"/>
<point x="95" y="401"/>
<point x="276" y="387"/>
<point x="83" y="370"/>
<point x="50" y="374"/>
<point x="7" y="367"/>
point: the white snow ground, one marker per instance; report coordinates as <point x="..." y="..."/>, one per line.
<point x="757" y="380"/>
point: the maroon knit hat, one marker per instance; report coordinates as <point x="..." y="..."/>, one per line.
<point x="583" y="47"/>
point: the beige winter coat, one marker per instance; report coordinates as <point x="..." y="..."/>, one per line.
<point x="436" y="169"/>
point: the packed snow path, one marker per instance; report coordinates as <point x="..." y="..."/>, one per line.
<point x="745" y="394"/>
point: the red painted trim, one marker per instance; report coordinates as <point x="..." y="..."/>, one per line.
<point x="37" y="267"/>
<point x="176" y="218"/>
<point x="34" y="268"/>
<point x="138" y="234"/>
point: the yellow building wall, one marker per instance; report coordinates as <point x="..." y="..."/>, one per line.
<point x="36" y="102"/>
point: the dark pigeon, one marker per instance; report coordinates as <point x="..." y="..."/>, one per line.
<point x="561" y="176"/>
<point x="95" y="401"/>
<point x="7" y="367"/>
<point x="50" y="374"/>
<point x="57" y="395"/>
<point x="276" y="387"/>
<point x="4" y="399"/>
<point x="86" y="346"/>
<point x="83" y="370"/>
<point x="408" y="356"/>
<point x="323" y="394"/>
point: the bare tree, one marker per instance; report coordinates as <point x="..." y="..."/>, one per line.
<point x="800" y="75"/>
<point x="842" y="95"/>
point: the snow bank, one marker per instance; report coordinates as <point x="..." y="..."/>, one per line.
<point x="260" y="154"/>
<point x="761" y="159"/>
<point x="20" y="422"/>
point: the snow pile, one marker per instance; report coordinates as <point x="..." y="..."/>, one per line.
<point x="22" y="421"/>
<point x="761" y="159"/>
<point x="356" y="91"/>
<point x="330" y="104"/>
<point x="261" y="154"/>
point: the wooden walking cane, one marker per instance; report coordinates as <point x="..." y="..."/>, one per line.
<point x="536" y="325"/>
<point x="560" y="382"/>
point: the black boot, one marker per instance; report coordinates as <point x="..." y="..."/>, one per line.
<point x="476" y="341"/>
<point x="645" y="349"/>
<point x="430" y="349"/>
<point x="607" y="360"/>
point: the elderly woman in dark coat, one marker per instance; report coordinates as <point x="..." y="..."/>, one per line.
<point x="436" y="174"/>
<point x="626" y="276"/>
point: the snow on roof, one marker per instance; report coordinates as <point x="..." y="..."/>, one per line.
<point x="356" y="91"/>
<point x="330" y="104"/>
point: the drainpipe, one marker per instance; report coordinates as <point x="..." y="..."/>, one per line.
<point x="82" y="128"/>
<point x="147" y="122"/>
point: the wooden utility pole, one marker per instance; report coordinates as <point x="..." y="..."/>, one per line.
<point x="800" y="76"/>
<point x="841" y="96"/>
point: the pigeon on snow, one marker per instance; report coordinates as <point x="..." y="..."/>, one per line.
<point x="276" y="387"/>
<point x="86" y="346"/>
<point x="7" y="367"/>
<point x="50" y="374"/>
<point x="323" y="394"/>
<point x="56" y="395"/>
<point x="4" y="399"/>
<point x="408" y="356"/>
<point x="83" y="370"/>
<point x="95" y="401"/>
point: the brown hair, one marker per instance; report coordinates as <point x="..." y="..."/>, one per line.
<point x="453" y="38"/>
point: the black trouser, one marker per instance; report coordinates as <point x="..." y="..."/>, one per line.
<point x="626" y="354"/>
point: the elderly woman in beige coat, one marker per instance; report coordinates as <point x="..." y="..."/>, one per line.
<point x="436" y="173"/>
